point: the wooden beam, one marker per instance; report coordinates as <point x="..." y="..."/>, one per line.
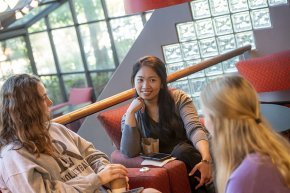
<point x="128" y="94"/>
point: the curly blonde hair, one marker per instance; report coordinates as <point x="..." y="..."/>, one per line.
<point x="239" y="128"/>
<point x="22" y="119"/>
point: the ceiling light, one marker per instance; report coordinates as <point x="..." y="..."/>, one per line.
<point x="7" y="51"/>
<point x="3" y="57"/>
<point x="12" y="3"/>
<point x="18" y="14"/>
<point x="34" y="3"/>
<point x="3" y="6"/>
<point x="4" y="54"/>
<point x="25" y="10"/>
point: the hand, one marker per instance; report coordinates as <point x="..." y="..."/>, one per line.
<point x="112" y="172"/>
<point x="205" y="170"/>
<point x="127" y="180"/>
<point x="136" y="105"/>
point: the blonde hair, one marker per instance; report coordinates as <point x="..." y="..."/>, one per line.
<point x="239" y="128"/>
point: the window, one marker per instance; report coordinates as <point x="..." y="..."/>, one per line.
<point x="13" y="58"/>
<point x="217" y="26"/>
<point x="76" y="44"/>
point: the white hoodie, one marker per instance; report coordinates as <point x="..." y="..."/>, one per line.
<point x="75" y="171"/>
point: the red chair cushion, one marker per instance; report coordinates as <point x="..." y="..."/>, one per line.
<point x="176" y="172"/>
<point x="80" y="95"/>
<point x="119" y="158"/>
<point x="111" y="121"/>
<point x="154" y="178"/>
<point x="267" y="73"/>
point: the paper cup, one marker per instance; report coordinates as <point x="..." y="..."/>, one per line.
<point x="119" y="185"/>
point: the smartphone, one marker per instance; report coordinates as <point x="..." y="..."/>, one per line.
<point x="156" y="156"/>
<point x="136" y="190"/>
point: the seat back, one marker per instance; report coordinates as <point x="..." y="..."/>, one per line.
<point x="80" y="95"/>
<point x="267" y="73"/>
<point x="111" y="121"/>
<point x="176" y="170"/>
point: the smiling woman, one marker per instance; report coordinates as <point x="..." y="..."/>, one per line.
<point x="166" y="116"/>
<point x="147" y="84"/>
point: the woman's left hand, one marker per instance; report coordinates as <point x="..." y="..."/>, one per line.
<point x="205" y="169"/>
<point x="112" y="172"/>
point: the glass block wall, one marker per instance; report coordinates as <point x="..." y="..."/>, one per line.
<point x="217" y="26"/>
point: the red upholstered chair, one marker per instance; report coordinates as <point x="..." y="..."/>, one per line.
<point x="76" y="96"/>
<point x="80" y="95"/>
<point x="267" y="73"/>
<point x="154" y="178"/>
<point x="176" y="173"/>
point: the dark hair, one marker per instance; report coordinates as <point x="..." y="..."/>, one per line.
<point x="22" y="119"/>
<point x="169" y="119"/>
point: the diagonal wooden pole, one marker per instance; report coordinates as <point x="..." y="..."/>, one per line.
<point x="128" y="94"/>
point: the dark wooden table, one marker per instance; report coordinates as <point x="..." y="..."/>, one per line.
<point x="277" y="115"/>
<point x="275" y="97"/>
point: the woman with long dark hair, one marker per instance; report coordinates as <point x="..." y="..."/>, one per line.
<point x="170" y="117"/>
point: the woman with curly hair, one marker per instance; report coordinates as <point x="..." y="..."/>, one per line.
<point x="37" y="155"/>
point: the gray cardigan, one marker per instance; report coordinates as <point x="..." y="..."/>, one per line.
<point x="192" y="129"/>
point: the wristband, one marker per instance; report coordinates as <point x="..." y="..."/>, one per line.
<point x="206" y="161"/>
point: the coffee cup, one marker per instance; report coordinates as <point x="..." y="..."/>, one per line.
<point x="119" y="185"/>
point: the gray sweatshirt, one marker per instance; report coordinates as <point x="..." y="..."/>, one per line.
<point x="74" y="171"/>
<point x="191" y="130"/>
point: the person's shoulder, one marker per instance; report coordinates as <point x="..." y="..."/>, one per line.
<point x="256" y="173"/>
<point x="13" y="153"/>
<point x="7" y="150"/>
<point x="252" y="168"/>
<point x="179" y="95"/>
<point x="258" y="161"/>
<point x="57" y="129"/>
<point x="253" y="162"/>
<point x="57" y="126"/>
<point x="177" y="92"/>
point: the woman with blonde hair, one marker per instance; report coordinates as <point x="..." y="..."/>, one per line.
<point x="250" y="156"/>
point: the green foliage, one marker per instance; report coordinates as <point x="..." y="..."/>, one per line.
<point x="38" y="26"/>
<point x="100" y="80"/>
<point x="61" y="16"/>
<point x="52" y="86"/>
<point x="74" y="81"/>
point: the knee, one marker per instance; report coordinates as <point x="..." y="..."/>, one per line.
<point x="185" y="151"/>
<point x="150" y="190"/>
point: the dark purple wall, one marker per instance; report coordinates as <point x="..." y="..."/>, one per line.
<point x="277" y="38"/>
